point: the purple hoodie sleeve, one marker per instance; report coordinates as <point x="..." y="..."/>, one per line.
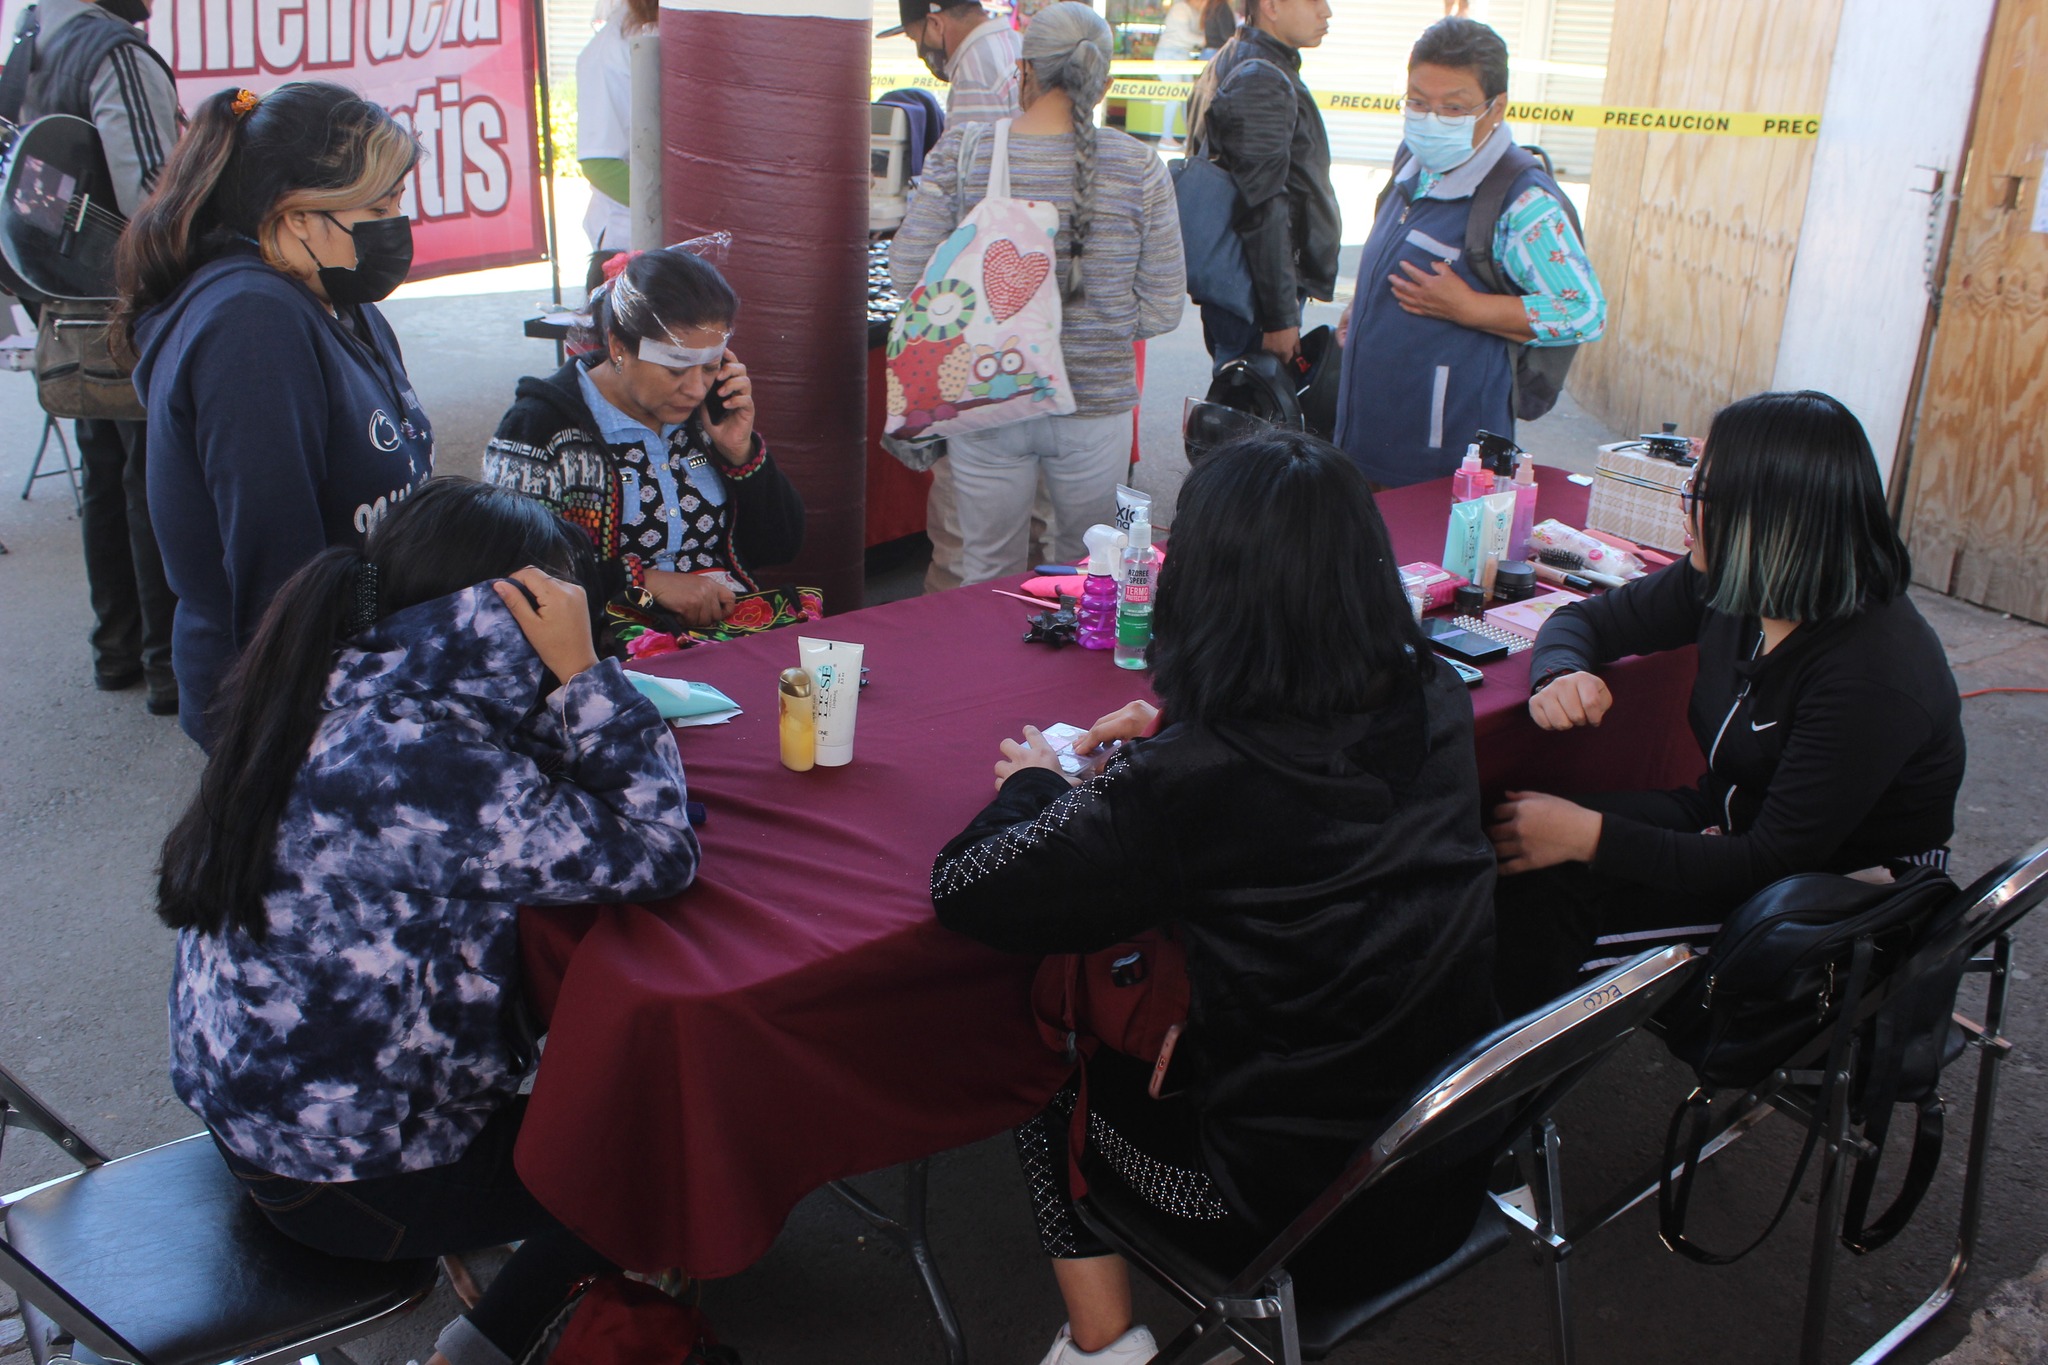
<point x="610" y="826"/>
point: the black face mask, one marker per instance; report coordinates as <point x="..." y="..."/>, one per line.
<point x="134" y="11"/>
<point x="383" y="260"/>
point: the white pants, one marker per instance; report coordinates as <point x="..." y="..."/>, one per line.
<point x="996" y="473"/>
<point x="942" y="527"/>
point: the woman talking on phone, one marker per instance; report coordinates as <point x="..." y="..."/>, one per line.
<point x="649" y="445"/>
<point x="281" y="420"/>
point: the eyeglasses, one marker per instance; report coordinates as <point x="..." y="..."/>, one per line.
<point x="1690" y="497"/>
<point x="1419" y="108"/>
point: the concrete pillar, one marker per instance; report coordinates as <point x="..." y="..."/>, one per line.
<point x="644" y="158"/>
<point x="765" y="117"/>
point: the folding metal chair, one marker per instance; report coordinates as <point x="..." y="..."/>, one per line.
<point x="68" y="470"/>
<point x="1980" y="938"/>
<point x="1505" y="1084"/>
<point x="160" y="1258"/>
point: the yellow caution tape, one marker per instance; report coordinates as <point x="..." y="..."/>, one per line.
<point x="1172" y="82"/>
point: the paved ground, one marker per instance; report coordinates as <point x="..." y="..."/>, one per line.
<point x="91" y="782"/>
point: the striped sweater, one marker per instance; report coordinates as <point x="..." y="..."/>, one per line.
<point x="1131" y="274"/>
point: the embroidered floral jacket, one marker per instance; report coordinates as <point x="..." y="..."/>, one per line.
<point x="549" y="447"/>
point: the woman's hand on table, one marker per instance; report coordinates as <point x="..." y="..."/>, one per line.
<point x="734" y="437"/>
<point x="698" y="600"/>
<point x="1030" y="752"/>
<point x="1134" y="721"/>
<point x="1571" y="700"/>
<point x="1533" y="830"/>
<point x="554" y="618"/>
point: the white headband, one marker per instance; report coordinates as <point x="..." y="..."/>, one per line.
<point x="681" y="357"/>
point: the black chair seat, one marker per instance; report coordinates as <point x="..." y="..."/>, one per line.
<point x="1325" y="1324"/>
<point x="167" y="1249"/>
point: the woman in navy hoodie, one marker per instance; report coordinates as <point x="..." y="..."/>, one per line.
<point x="418" y="740"/>
<point x="281" y="419"/>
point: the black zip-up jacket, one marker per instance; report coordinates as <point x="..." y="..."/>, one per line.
<point x="1261" y="124"/>
<point x="1334" y="893"/>
<point x="1840" y="749"/>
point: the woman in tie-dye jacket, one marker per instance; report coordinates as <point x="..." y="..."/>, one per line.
<point x="419" y="740"/>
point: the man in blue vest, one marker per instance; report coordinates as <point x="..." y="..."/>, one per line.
<point x="1430" y="348"/>
<point x="94" y="62"/>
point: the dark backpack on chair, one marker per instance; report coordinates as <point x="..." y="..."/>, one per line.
<point x="1792" y="963"/>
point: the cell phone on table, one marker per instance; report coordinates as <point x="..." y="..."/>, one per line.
<point x="1467" y="674"/>
<point x="1457" y="642"/>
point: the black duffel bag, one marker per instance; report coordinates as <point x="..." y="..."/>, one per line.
<point x="1788" y="963"/>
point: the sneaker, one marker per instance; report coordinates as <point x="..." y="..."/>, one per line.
<point x="1134" y="1347"/>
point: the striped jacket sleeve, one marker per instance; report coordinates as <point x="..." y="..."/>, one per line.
<point x="1539" y="251"/>
<point x="135" y="108"/>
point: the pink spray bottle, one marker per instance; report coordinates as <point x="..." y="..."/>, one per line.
<point x="1099" y="589"/>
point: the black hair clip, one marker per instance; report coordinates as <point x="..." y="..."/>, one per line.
<point x="1055" y="628"/>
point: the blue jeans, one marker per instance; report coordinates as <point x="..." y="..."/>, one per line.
<point x="475" y="1202"/>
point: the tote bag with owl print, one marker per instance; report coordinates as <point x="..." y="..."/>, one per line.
<point x="977" y="343"/>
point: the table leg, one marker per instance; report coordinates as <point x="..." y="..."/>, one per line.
<point x="909" y="1233"/>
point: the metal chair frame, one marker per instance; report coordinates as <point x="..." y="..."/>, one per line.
<point x="67" y="471"/>
<point x="1522" y="1070"/>
<point x="1982" y="938"/>
<point x="77" y="1323"/>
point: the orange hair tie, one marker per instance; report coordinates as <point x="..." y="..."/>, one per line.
<point x="245" y="100"/>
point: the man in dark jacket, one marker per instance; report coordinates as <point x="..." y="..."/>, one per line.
<point x="92" y="61"/>
<point x="1253" y="116"/>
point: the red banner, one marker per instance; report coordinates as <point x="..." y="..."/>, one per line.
<point x="458" y="73"/>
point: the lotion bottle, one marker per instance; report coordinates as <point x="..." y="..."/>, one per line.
<point x="797" y="720"/>
<point x="1525" y="505"/>
<point x="1472" y="479"/>
<point x="1134" y="602"/>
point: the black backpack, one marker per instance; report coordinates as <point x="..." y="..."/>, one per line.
<point x="1539" y="370"/>
<point x="1791" y="960"/>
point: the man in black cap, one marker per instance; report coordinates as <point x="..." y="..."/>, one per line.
<point x="975" y="53"/>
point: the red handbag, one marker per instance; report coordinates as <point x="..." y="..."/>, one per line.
<point x="624" y="1322"/>
<point x="1129" y="997"/>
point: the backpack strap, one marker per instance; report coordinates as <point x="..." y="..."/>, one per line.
<point x="21" y="61"/>
<point x="1674" y="1191"/>
<point x="1490" y="200"/>
<point x="1860" y="1233"/>
<point x="1402" y="157"/>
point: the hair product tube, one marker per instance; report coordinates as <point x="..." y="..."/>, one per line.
<point x="834" y="667"/>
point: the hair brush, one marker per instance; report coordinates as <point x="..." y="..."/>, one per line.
<point x="1576" y="563"/>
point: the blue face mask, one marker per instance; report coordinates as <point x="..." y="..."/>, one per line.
<point x="1439" y="144"/>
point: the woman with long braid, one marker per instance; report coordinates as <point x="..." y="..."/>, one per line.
<point x="1118" y="261"/>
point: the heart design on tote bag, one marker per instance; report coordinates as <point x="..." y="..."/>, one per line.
<point x="1009" y="278"/>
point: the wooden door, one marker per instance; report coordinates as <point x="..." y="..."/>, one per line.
<point x="1976" y="507"/>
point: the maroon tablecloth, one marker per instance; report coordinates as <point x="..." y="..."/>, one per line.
<point x="797" y="1015"/>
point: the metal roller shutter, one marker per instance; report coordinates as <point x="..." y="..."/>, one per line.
<point x="1367" y="49"/>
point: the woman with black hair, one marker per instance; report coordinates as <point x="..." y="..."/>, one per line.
<point x="281" y="420"/>
<point x="1306" y="818"/>
<point x="1824" y="705"/>
<point x="418" y="740"/>
<point x="649" y="445"/>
